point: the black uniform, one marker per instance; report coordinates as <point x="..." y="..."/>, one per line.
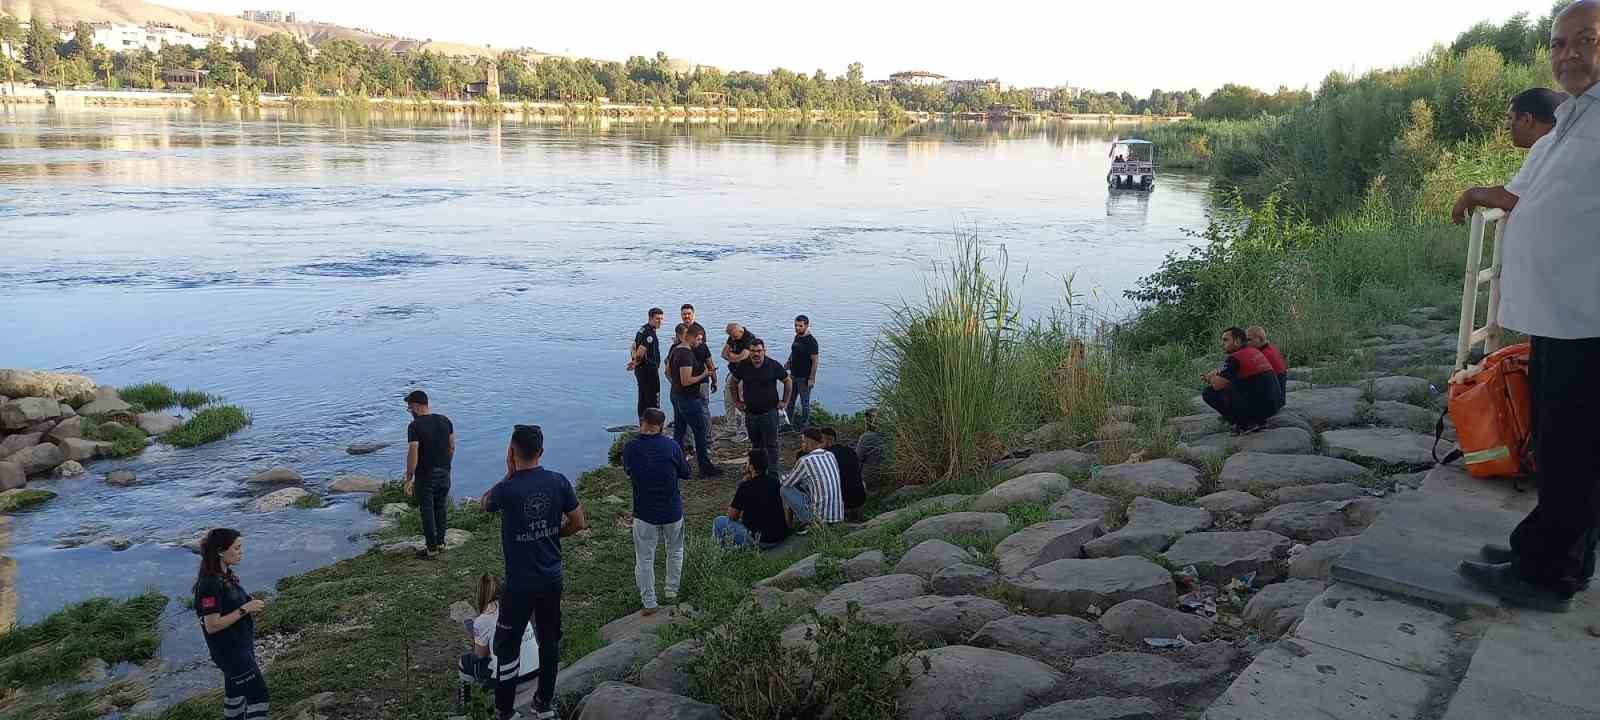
<point x="244" y="689"/>
<point x="646" y="370"/>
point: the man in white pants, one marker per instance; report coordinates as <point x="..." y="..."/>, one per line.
<point x="655" y="465"/>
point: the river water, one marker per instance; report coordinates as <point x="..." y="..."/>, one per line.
<point x="313" y="267"/>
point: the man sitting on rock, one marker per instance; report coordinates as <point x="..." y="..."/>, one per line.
<point x="1245" y="391"/>
<point x="811" y="490"/>
<point x="1258" y="340"/>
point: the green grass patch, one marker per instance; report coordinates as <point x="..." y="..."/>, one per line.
<point x="54" y="649"/>
<point x="208" y="425"/>
<point x="152" y="396"/>
<point x="309" y="501"/>
<point x="391" y="492"/>
<point x="23" y="498"/>
<point x="195" y="399"/>
<point x="126" y="439"/>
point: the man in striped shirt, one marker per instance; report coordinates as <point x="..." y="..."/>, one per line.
<point x="816" y="475"/>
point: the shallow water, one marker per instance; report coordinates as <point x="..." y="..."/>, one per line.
<point x="314" y="267"/>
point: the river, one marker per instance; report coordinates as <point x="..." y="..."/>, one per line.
<point x="312" y="267"/>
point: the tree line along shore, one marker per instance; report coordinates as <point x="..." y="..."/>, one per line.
<point x="1338" y="245"/>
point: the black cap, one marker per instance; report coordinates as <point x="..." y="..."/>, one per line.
<point x="417" y="397"/>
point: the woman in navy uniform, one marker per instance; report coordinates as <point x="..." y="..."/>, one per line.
<point x="227" y="617"/>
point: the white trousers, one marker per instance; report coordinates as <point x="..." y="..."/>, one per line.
<point x="645" y="539"/>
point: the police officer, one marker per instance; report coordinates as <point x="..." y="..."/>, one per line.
<point x="644" y="359"/>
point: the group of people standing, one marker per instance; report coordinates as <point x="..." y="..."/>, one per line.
<point x="1252" y="384"/>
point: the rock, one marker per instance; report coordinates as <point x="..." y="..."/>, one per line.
<point x="1317" y="493"/>
<point x="1152" y="527"/>
<point x="935" y="619"/>
<point x="1055" y="640"/>
<point x="66" y="410"/>
<point x="615" y="661"/>
<point x="1411" y="417"/>
<point x="1328" y="407"/>
<point x="38" y="459"/>
<point x="1063" y="462"/>
<point x="956" y="524"/>
<point x="278" y="499"/>
<point x="871" y="591"/>
<point x="1232" y="502"/>
<point x="969" y="683"/>
<point x="94" y="670"/>
<point x="1193" y="426"/>
<point x="1099" y="708"/>
<point x="1071" y="586"/>
<point x="669" y="672"/>
<point x="1247" y="471"/>
<point x="366" y="447"/>
<point x="355" y="484"/>
<point x="929" y="557"/>
<point x="1313" y="521"/>
<point x="79" y="449"/>
<point x="106" y="401"/>
<point x="1045" y="435"/>
<point x="1116" y="430"/>
<point x="963" y="579"/>
<point x="1034" y="487"/>
<point x="1398" y="387"/>
<point x="1297" y="385"/>
<point x="1290" y="419"/>
<point x="865" y="565"/>
<point x="63" y="387"/>
<point x="20" y="441"/>
<point x="1277" y="441"/>
<point x="1154" y="477"/>
<point x="1044" y="542"/>
<point x="23" y="412"/>
<point x="795" y="575"/>
<point x="461" y="611"/>
<point x="394" y="510"/>
<point x="277" y="476"/>
<point x="23" y="498"/>
<point x="70" y="468"/>
<point x="155" y="424"/>
<point x="1317" y="559"/>
<point x="1384" y="446"/>
<point x="1278" y="607"/>
<point x="453" y="538"/>
<point x="638" y="623"/>
<point x="771" y="598"/>
<point x="12" y="476"/>
<point x="1135" y="620"/>
<point x="1222" y="556"/>
<point x="620" y="701"/>
<point x="117" y="543"/>
<point x="945" y="503"/>
<point x="71" y="427"/>
<point x="1083" y="504"/>
<point x="1137" y="672"/>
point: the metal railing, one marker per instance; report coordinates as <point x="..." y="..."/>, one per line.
<point x="1490" y="335"/>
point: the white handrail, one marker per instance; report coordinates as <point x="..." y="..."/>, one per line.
<point x="1468" y="334"/>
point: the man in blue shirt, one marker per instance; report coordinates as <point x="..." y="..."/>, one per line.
<point x="655" y="464"/>
<point x="538" y="508"/>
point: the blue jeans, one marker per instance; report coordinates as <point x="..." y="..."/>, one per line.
<point x="688" y="414"/>
<point x="800" y="408"/>
<point x="798" y="503"/>
<point x="731" y="532"/>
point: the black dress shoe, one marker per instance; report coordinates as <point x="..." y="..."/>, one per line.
<point x="1497" y="554"/>
<point x="1506" y="584"/>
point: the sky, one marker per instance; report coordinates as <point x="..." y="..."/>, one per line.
<point x="1122" y="46"/>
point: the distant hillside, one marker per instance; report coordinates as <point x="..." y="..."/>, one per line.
<point x="138" y="12"/>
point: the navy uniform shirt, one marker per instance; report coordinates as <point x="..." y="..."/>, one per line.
<point x="232" y="648"/>
<point x="646" y="338"/>
<point x="531" y="503"/>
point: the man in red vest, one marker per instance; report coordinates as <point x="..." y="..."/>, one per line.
<point x="1245" y="391"/>
<point x="1258" y="340"/>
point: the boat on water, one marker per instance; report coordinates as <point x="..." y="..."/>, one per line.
<point x="1133" y="165"/>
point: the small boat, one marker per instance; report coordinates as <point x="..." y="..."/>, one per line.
<point x="1133" y="165"/>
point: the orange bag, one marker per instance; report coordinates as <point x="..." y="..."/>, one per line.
<point x="1489" y="404"/>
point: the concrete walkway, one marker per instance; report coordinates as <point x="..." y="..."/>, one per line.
<point x="1400" y="637"/>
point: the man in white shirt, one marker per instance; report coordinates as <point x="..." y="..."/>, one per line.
<point x="1532" y="116"/>
<point x="816" y="478"/>
<point x="1550" y="290"/>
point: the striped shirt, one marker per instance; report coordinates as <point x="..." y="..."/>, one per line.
<point x="817" y="474"/>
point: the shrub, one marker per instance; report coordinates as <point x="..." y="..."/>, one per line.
<point x="208" y="425"/>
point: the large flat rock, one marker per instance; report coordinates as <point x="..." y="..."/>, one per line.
<point x="1276" y="608"/>
<point x="1039" y="487"/>
<point x="1394" y="388"/>
<point x="951" y="526"/>
<point x="1136" y="620"/>
<point x="1328" y="407"/>
<point x="1145" y="673"/>
<point x="1380" y="627"/>
<point x="639" y="623"/>
<point x="1263" y="471"/>
<point x="1276" y="441"/>
<point x="1325" y="520"/>
<point x="963" y="579"/>
<point x="871" y="591"/>
<point x="937" y="503"/>
<point x="1294" y="679"/>
<point x="800" y="573"/>
<point x="619" y="701"/>
<point x="929" y="557"/>
<point x="1390" y="447"/>
<point x="1318" y="493"/>
<point x="1044" y="542"/>
<point x="1083" y="504"/>
<point x="1152" y="527"/>
<point x="935" y="619"/>
<point x="1534" y="665"/>
<point x="1064" y="462"/>
<point x="1056" y="640"/>
<point x="1316" y="560"/>
<point x="613" y="662"/>
<point x="669" y="671"/>
<point x="968" y="683"/>
<point x="1071" y="586"/>
<point x="1222" y="556"/>
<point x="1231" y="502"/>
<point x="61" y="387"/>
<point x="1155" y="477"/>
<point x="1099" y="708"/>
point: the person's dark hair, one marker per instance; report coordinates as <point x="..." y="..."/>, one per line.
<point x="488" y="590"/>
<point x="528" y="440"/>
<point x="758" y="342"/>
<point x="831" y="433"/>
<point x="212" y="546"/>
<point x="686" y="306"/>
<point x="1540" y="102"/>
<point x="653" y="416"/>
<point x="657" y="311"/>
<point x="758" y="461"/>
<point x="1237" y="333"/>
<point x="681" y="329"/>
<point x="802" y="318"/>
<point x="812" y="434"/>
<point x="418" y="397"/>
<point x="695" y="331"/>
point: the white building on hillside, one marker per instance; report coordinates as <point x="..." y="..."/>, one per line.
<point x="123" y="37"/>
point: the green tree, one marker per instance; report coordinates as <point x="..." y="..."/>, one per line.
<point x="40" y="54"/>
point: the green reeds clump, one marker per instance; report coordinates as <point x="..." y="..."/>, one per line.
<point x="126" y="439"/>
<point x="54" y="649"/>
<point x="208" y="425"/>
<point x="154" y="396"/>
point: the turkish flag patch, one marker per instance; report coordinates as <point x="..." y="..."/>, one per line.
<point x="207" y="603"/>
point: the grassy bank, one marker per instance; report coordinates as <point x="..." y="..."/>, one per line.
<point x="55" y="650"/>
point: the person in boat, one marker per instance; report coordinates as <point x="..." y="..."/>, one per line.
<point x="1244" y="391"/>
<point x="1258" y="340"/>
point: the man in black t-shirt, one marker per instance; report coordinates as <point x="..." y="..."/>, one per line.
<point x="755" y="516"/>
<point x="431" y="443"/>
<point x="643" y="359"/>
<point x="850" y="484"/>
<point x="803" y="362"/>
<point x="703" y="354"/>
<point x="687" y="375"/>
<point x="754" y="386"/>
